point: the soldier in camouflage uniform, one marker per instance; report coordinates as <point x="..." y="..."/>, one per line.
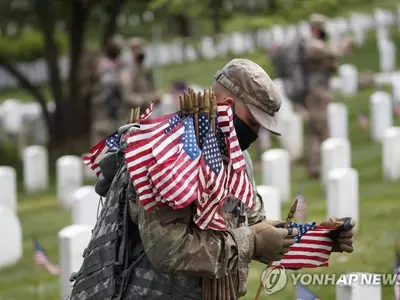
<point x="162" y="255"/>
<point x="107" y="98"/>
<point x="138" y="88"/>
<point x="320" y="62"/>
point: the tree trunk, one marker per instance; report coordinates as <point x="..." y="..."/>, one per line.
<point x="44" y="12"/>
<point x="111" y="26"/>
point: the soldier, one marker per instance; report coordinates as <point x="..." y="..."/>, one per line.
<point x="320" y="63"/>
<point x="138" y="88"/>
<point x="107" y="97"/>
<point x="163" y="255"/>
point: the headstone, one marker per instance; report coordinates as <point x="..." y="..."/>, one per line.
<point x="349" y="79"/>
<point x="381" y="114"/>
<point x="85" y="206"/>
<point x="387" y="55"/>
<point x="271" y="201"/>
<point x="73" y="240"/>
<point x="8" y="188"/>
<point x="69" y="178"/>
<point x="353" y="287"/>
<point x="292" y="135"/>
<point x="395" y="81"/>
<point x="342" y="194"/>
<point x="338" y="120"/>
<point x="36" y="165"/>
<point x="11" y="237"/>
<point x="276" y="171"/>
<point x="236" y="44"/>
<point x="335" y="153"/>
<point x="391" y="154"/>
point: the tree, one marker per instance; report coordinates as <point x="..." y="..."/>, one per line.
<point x="71" y="119"/>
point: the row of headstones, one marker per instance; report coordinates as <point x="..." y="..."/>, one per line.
<point x="238" y="43"/>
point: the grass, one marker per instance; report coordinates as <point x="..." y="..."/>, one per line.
<point x="379" y="227"/>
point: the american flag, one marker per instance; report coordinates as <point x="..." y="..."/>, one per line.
<point x="303" y="293"/>
<point x="311" y="249"/>
<point x="42" y="260"/>
<point x="213" y="182"/>
<point x="147" y="112"/>
<point x="397" y="271"/>
<point x="139" y="156"/>
<point x="397" y="110"/>
<point x="238" y="182"/>
<point x="97" y="152"/>
<point x="301" y="211"/>
<point x="175" y="172"/>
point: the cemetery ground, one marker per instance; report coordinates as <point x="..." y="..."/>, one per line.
<point x="379" y="226"/>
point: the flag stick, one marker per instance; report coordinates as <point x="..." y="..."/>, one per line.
<point x="195" y="100"/>
<point x="288" y="219"/>
<point x="182" y="104"/>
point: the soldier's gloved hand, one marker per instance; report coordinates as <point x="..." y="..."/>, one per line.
<point x="272" y="243"/>
<point x="343" y="235"/>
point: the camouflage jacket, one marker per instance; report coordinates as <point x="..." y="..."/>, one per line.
<point x="321" y="61"/>
<point x="175" y="246"/>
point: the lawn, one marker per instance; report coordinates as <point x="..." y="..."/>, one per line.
<point x="41" y="216"/>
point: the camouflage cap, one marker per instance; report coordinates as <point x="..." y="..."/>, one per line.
<point x="318" y="20"/>
<point x="250" y="83"/>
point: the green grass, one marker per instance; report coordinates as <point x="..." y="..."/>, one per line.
<point x="379" y="227"/>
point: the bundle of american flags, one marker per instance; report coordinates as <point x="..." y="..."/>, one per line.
<point x="180" y="159"/>
<point x="312" y="248"/>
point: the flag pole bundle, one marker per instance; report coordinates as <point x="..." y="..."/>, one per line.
<point x="189" y="157"/>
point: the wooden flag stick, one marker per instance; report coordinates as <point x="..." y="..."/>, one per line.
<point x="182" y="104"/>
<point x="201" y="102"/>
<point x="288" y="219"/>
<point x="212" y="114"/>
<point x="196" y="99"/>
<point x="131" y="116"/>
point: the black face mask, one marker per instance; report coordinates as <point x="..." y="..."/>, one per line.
<point x="322" y="35"/>
<point x="245" y="134"/>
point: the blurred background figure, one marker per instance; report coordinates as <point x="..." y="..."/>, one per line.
<point x="107" y="98"/>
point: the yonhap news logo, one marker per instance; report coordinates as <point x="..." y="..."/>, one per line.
<point x="275" y="279"/>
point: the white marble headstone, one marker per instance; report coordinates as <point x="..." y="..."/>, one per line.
<point x="85" y="205"/>
<point x="292" y="135"/>
<point x="8" y="188"/>
<point x="349" y="79"/>
<point x="73" y="240"/>
<point x="271" y="201"/>
<point x="276" y="171"/>
<point x="342" y="194"/>
<point x="11" y="237"/>
<point x="354" y="287"/>
<point x="338" y="120"/>
<point x="69" y="171"/>
<point x="391" y="154"/>
<point x="387" y="55"/>
<point x="395" y="81"/>
<point x="335" y="153"/>
<point x="36" y="166"/>
<point x="380" y="114"/>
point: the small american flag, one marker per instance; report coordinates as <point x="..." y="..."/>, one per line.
<point x="397" y="110"/>
<point x="139" y="156"/>
<point x="97" y="152"/>
<point x="175" y="174"/>
<point x="397" y="271"/>
<point x="147" y="112"/>
<point x="213" y="182"/>
<point x="362" y="121"/>
<point x="303" y="293"/>
<point x="311" y="249"/>
<point x="42" y="260"/>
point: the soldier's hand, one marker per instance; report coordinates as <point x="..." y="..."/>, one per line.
<point x="343" y="235"/>
<point x="272" y="243"/>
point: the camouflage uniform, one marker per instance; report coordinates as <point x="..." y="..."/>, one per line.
<point x="321" y="62"/>
<point x="138" y="86"/>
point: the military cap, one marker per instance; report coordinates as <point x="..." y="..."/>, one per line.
<point x="318" y="20"/>
<point x="247" y="81"/>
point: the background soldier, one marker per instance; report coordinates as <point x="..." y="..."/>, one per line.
<point x="138" y="88"/>
<point x="107" y="98"/>
<point x="320" y="63"/>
